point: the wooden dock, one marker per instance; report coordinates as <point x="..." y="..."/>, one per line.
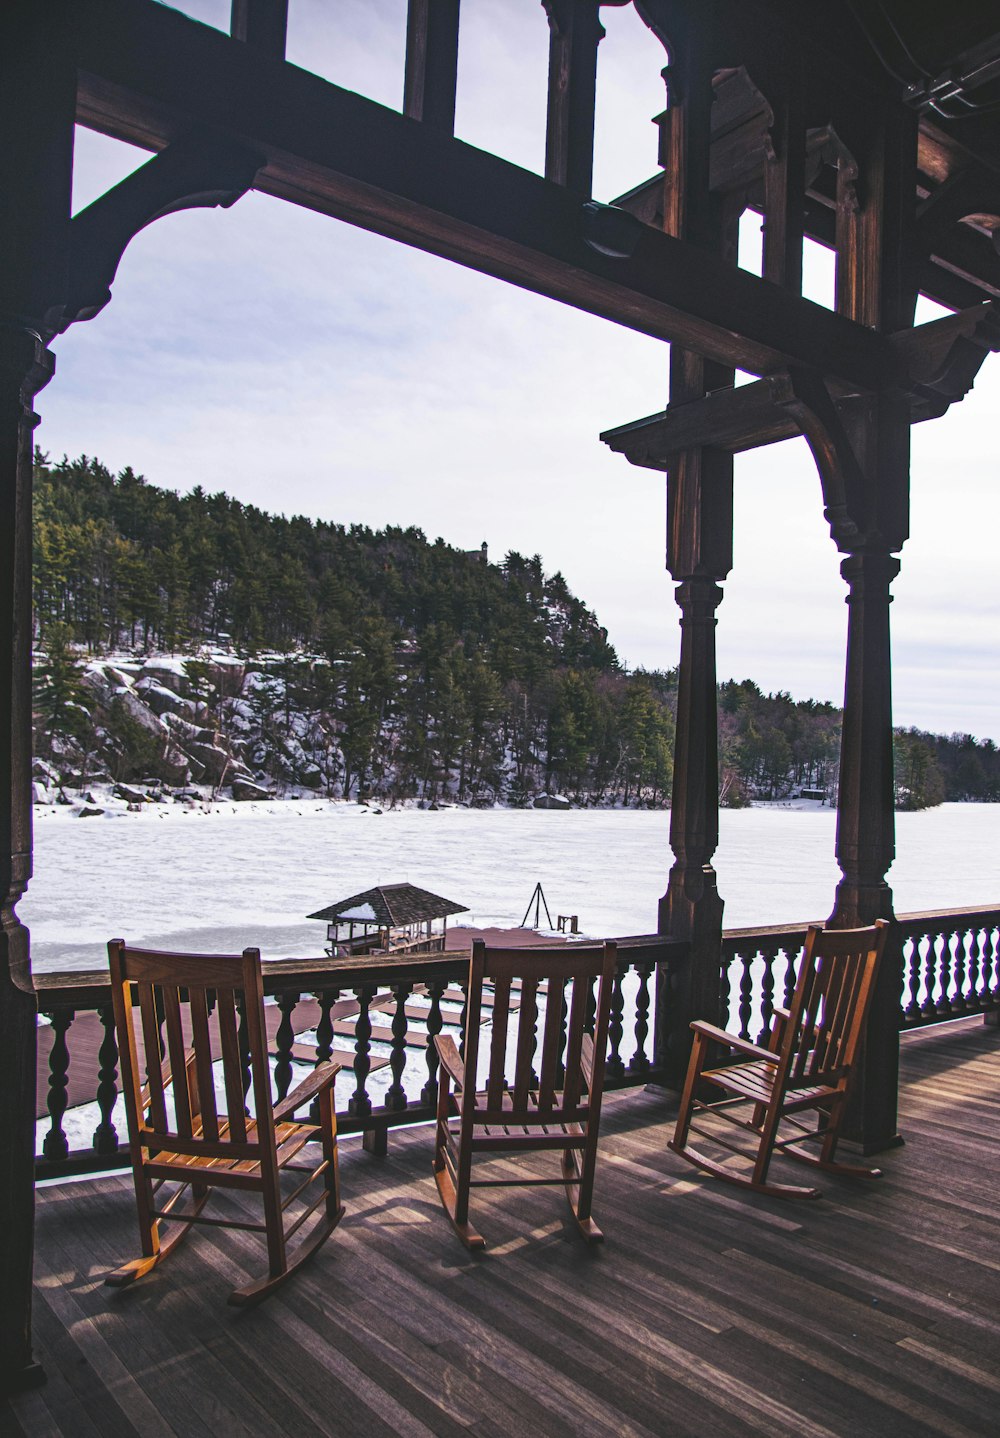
<point x="870" y="1312"/>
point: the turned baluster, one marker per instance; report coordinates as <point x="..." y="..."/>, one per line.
<point x="928" y="959"/>
<point x="591" y="1016"/>
<point x="911" y="977"/>
<point x="395" y="1098"/>
<point x="949" y="975"/>
<point x="615" y="1067"/>
<point x="105" y="1134"/>
<point x="640" y="1059"/>
<point x="55" y="1145"/>
<point x="991" y="985"/>
<point x="324" y="1037"/>
<point x="359" y="1102"/>
<point x="563" y="1021"/>
<point x="966" y="995"/>
<point x="243" y="1040"/>
<point x="792" y="961"/>
<point x="767" y="986"/>
<point x="435" y="1022"/>
<point x="725" y="986"/>
<point x="745" y="1006"/>
<point x="977" y="969"/>
<point x="283" y="1041"/>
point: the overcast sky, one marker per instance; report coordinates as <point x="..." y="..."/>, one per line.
<point x="309" y="368"/>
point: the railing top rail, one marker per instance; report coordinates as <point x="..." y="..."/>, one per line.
<point x="980" y="914"/>
<point x="90" y="988"/>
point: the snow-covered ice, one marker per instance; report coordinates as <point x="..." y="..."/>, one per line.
<point x="247" y="874"/>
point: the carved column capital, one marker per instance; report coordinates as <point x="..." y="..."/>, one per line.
<point x="26" y="366"/>
<point x="698" y="597"/>
<point x="868" y="571"/>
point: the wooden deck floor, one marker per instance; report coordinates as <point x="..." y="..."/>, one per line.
<point x="872" y="1311"/>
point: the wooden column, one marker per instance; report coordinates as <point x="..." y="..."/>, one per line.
<point x="692" y="908"/>
<point x="37" y="106"/>
<point x="865" y="812"/>
<point x="874" y="288"/>
<point x="699" y="555"/>
<point x="25" y="365"/>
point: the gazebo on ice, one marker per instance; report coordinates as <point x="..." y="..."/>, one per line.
<point x="869" y="126"/>
<point x="389" y="918"/>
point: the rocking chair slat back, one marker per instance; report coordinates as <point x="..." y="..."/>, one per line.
<point x="830" y="1004"/>
<point x="805" y="1067"/>
<point x="518" y="1109"/>
<point x="188" y="1012"/>
<point x="185" y="1081"/>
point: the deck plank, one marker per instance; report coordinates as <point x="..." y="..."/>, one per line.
<point x="870" y="1312"/>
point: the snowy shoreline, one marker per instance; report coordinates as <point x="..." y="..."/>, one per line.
<point x="102" y="803"/>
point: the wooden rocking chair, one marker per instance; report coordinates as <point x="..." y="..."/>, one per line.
<point x="559" y="1109"/>
<point x="178" y="1136"/>
<point x="806" y="1066"/>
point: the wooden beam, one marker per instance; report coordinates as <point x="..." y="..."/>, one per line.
<point x="147" y="73"/>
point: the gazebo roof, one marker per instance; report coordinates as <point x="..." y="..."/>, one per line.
<point x="392" y="905"/>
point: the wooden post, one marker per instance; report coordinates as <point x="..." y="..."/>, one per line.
<point x="431" y="74"/>
<point x="866" y="836"/>
<point x="692" y="907"/>
<point x="699" y="554"/>
<point x="37" y="107"/>
<point x="25" y="365"/>
<point x="261" y="23"/>
<point x="874" y="287"/>
<point x="575" y="31"/>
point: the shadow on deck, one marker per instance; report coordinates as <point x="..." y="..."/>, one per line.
<point x="872" y="1311"/>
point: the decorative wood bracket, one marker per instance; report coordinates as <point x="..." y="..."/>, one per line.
<point x="197" y="171"/>
<point x="940" y="359"/>
<point x="846" y="506"/>
<point x="944" y="357"/>
<point x="856" y="439"/>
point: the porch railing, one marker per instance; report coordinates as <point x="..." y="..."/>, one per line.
<point x="951" y="969"/>
<point x="377" y="1015"/>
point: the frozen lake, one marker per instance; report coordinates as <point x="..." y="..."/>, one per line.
<point x="248" y="874"/>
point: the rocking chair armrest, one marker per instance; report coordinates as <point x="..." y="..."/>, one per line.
<point x="451" y="1060"/>
<point x="320" y="1078"/>
<point x="733" y="1041"/>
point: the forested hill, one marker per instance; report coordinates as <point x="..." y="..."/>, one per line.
<point x="353" y="662"/>
<point x="128" y="565"/>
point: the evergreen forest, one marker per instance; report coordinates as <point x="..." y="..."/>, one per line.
<point x="373" y="664"/>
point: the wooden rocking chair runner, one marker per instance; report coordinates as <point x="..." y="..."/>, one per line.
<point x="177" y="1134"/>
<point x="806" y="1066"/>
<point x="558" y="1109"/>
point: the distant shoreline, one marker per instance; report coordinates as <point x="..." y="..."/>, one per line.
<point x="103" y="804"/>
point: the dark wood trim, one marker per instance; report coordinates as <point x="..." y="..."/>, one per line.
<point x="148" y="73"/>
